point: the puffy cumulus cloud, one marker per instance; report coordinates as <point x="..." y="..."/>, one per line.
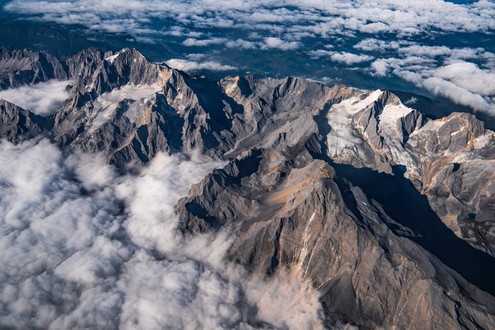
<point x="468" y="76"/>
<point x="244" y="44"/>
<point x="350" y="58"/>
<point x="376" y="45"/>
<point x="462" y="82"/>
<point x="392" y="32"/>
<point x="380" y="67"/>
<point x="238" y="43"/>
<point x="407" y="48"/>
<point x="204" y="42"/>
<point x="342" y="57"/>
<point x="188" y="65"/>
<point x="273" y="42"/>
<point x="48" y="223"/>
<point x="42" y="98"/>
<point x="85" y="248"/>
<point x="463" y="75"/>
<point x="458" y="94"/>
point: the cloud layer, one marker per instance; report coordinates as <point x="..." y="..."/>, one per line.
<point x="324" y="17"/>
<point x="83" y="247"/>
<point x="42" y="98"/>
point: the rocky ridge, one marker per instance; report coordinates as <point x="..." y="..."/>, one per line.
<point x="389" y="214"/>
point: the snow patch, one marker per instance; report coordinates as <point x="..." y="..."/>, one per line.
<point x="106" y="104"/>
<point x="341" y="135"/>
<point x="392" y="113"/>
<point x="112" y="58"/>
<point x="482" y="141"/>
<point x="355" y="104"/>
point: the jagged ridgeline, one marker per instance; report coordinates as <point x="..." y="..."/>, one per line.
<point x="389" y="214"/>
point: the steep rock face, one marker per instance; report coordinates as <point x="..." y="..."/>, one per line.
<point x="374" y="130"/>
<point x="130" y="109"/>
<point x="17" y="124"/>
<point x="371" y="270"/>
<point x="273" y="109"/>
<point x="453" y="163"/>
<point x="22" y="67"/>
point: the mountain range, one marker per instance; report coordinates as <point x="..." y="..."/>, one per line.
<point x="387" y="212"/>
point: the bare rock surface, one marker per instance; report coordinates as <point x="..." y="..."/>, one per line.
<point x="17" y="124"/>
<point x="21" y="67"/>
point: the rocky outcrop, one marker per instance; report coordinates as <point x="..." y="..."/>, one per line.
<point x="365" y="131"/>
<point x="22" y="67"/>
<point x="453" y="165"/>
<point x="17" y="124"/>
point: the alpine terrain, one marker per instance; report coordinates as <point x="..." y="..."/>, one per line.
<point x="388" y="214"/>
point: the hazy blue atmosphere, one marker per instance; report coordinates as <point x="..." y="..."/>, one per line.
<point x="434" y="48"/>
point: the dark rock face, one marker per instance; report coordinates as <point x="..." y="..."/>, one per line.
<point x="390" y="215"/>
<point x="22" y="67"/>
<point x="17" y="124"/>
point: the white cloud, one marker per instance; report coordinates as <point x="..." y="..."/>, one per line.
<point x="320" y="53"/>
<point x="457" y="94"/>
<point x="273" y="42"/>
<point x="463" y="82"/>
<point x="341" y="57"/>
<point x="411" y="101"/>
<point x="244" y="44"/>
<point x="43" y="98"/>
<point x="414" y="48"/>
<point x="186" y="65"/>
<point x="350" y="58"/>
<point x="380" y="67"/>
<point x="306" y="18"/>
<point x="440" y="70"/>
<point x="103" y="252"/>
<point x="372" y="44"/>
<point x="204" y="42"/>
<point x="468" y="76"/>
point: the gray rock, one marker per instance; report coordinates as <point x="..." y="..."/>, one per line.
<point x="22" y="67"/>
<point x="17" y="124"/>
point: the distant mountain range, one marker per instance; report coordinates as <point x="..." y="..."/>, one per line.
<point x="390" y="214"/>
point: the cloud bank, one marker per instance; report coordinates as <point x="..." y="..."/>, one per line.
<point x="43" y="98"/>
<point x="85" y="248"/>
<point x="317" y="17"/>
